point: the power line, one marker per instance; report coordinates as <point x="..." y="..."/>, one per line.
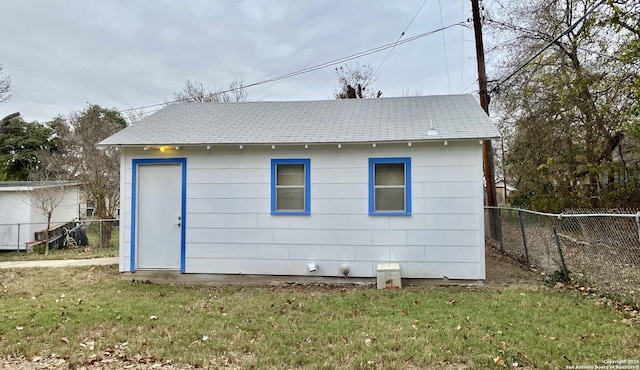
<point x="462" y="46"/>
<point x="470" y="85"/>
<point x="399" y="37"/>
<point x="310" y="69"/>
<point x="566" y="32"/>
<point x="444" y="44"/>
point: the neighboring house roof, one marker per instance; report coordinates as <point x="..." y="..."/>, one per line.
<point x="312" y="122"/>
<point x="30" y="185"/>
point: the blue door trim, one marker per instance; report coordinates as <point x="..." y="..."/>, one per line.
<point x="134" y="201"/>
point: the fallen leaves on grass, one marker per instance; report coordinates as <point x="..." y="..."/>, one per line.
<point x="88" y="344"/>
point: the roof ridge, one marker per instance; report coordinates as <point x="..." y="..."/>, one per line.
<point x="318" y="121"/>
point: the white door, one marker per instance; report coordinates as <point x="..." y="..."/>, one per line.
<point x="159" y="209"/>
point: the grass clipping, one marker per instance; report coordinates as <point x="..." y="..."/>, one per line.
<point x="87" y="316"/>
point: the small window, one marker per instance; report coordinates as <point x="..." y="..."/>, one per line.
<point x="390" y="186"/>
<point x="290" y="188"/>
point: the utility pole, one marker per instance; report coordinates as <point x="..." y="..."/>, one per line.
<point x="487" y="150"/>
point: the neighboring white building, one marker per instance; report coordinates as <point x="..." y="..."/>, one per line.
<point x="266" y="188"/>
<point x="19" y="220"/>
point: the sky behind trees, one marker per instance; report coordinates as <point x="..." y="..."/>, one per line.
<point x="63" y="54"/>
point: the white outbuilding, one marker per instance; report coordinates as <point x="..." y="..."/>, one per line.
<point x="21" y="219"/>
<point x="306" y="188"/>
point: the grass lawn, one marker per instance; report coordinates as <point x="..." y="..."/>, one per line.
<point x="92" y="251"/>
<point x="60" y="254"/>
<point x="84" y="315"/>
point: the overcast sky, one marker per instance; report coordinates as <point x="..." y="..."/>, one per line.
<point x="63" y="54"/>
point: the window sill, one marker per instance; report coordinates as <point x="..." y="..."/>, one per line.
<point x="400" y="214"/>
<point x="291" y="213"/>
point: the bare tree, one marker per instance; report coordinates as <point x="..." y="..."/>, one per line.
<point x="195" y="92"/>
<point x="79" y="158"/>
<point x="566" y="115"/>
<point x="97" y="168"/>
<point x="134" y="116"/>
<point x="45" y="196"/>
<point x="355" y="82"/>
<point x="5" y="86"/>
<point x="406" y="93"/>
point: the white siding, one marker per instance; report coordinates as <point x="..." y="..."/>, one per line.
<point x="15" y="209"/>
<point x="229" y="228"/>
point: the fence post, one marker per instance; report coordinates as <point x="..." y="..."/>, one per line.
<point x="638" y="223"/>
<point x="18" y="246"/>
<point x="565" y="272"/>
<point x="499" y="229"/>
<point x="524" y="238"/>
<point x="100" y="236"/>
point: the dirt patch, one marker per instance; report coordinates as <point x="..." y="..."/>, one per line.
<point x="504" y="271"/>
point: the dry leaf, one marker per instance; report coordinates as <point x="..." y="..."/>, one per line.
<point x="19" y="328"/>
<point x="153" y="317"/>
<point x="498" y="361"/>
<point x="64" y="340"/>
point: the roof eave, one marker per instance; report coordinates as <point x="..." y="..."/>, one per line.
<point x="296" y="143"/>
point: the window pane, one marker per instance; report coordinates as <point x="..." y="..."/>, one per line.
<point x="389" y="199"/>
<point x="290" y="199"/>
<point x="290" y="174"/>
<point x="389" y="174"/>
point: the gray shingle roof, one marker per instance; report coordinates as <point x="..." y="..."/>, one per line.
<point x="309" y="122"/>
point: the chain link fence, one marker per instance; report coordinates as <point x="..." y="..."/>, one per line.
<point x="20" y="236"/>
<point x="596" y="247"/>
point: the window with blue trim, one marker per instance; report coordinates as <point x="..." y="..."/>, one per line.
<point x="290" y="186"/>
<point x="390" y="186"/>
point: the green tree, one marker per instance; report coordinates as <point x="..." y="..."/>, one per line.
<point x="625" y="18"/>
<point x="565" y="116"/>
<point x="20" y="145"/>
